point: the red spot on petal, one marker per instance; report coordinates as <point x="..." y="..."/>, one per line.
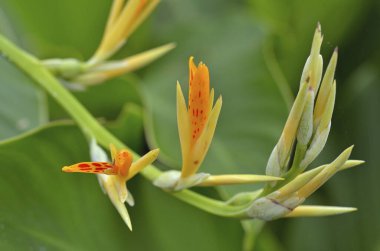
<point x="100" y="168"/>
<point x="84" y="165"/>
<point x="96" y="164"/>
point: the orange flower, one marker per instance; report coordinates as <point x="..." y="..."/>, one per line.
<point x="196" y="124"/>
<point x="113" y="175"/>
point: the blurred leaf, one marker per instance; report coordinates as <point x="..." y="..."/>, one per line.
<point x="129" y="127"/>
<point x="58" y="29"/>
<point x="22" y="105"/>
<point x="253" y="111"/>
<point x="43" y="208"/>
<point x="105" y="100"/>
<point x="292" y="25"/>
<point x="69" y="28"/>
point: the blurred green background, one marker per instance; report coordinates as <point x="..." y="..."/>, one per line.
<point x="253" y="49"/>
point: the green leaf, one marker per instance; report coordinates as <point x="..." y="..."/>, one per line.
<point x="104" y="101"/>
<point x="58" y="29"/>
<point x="129" y="127"/>
<point x="43" y="208"/>
<point x="292" y="23"/>
<point x="22" y="105"/>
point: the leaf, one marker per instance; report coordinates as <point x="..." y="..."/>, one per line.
<point x="104" y="101"/>
<point x="22" y="104"/>
<point x="129" y="127"/>
<point x="43" y="208"/>
<point x="68" y="28"/>
<point x="292" y="23"/>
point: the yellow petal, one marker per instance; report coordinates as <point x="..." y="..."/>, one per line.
<point x="350" y="164"/>
<point x="139" y="17"/>
<point x="116" y="8"/>
<point x="281" y="152"/>
<point x="203" y="143"/>
<point x="112" y="192"/>
<point x="325" y="174"/>
<point x="183" y="127"/>
<point x="142" y="162"/>
<point x="316" y="62"/>
<point x="324" y="91"/>
<point x="113" y="69"/>
<point x="316" y="211"/>
<point x="234" y="179"/>
<point x="133" y="13"/>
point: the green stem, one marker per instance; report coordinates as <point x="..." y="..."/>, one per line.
<point x="90" y="126"/>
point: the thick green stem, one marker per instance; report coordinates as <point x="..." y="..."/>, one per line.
<point x="90" y="126"/>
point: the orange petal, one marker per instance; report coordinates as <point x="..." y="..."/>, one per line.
<point x="90" y="167"/>
<point x="123" y="161"/>
<point x="199" y="99"/>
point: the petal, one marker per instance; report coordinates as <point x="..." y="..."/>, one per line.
<point x="142" y="162"/>
<point x="97" y="153"/>
<point x="183" y="127"/>
<point x="202" y="145"/>
<point x="324" y="91"/>
<point x="90" y="167"/>
<point x="233" y="179"/>
<point x="109" y="186"/>
<point x="280" y="154"/>
<point x="199" y="103"/>
<point x="317" y="211"/>
<point x="113" y="69"/>
<point x="325" y="174"/>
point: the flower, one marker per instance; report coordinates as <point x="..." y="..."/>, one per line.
<point x="114" y="175"/>
<point x="196" y="126"/>
<point x="303" y="138"/>
<point x="123" y="20"/>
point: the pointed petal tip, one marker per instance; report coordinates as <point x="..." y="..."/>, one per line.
<point x="219" y="100"/>
<point x="352" y="163"/>
<point x="360" y="162"/>
<point x="155" y="152"/>
<point x="336" y="50"/>
<point x="65" y="169"/>
<point x="130" y="226"/>
<point x="319" y="211"/>
<point x="347" y="152"/>
<point x="318" y="27"/>
<point x="236" y="179"/>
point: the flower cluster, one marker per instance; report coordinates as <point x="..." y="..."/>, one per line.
<point x="303" y="138"/>
<point x="288" y="184"/>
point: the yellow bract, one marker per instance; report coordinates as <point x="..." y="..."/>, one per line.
<point x="197" y="121"/>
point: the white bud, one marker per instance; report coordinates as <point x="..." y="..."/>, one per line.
<point x="316" y="146"/>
